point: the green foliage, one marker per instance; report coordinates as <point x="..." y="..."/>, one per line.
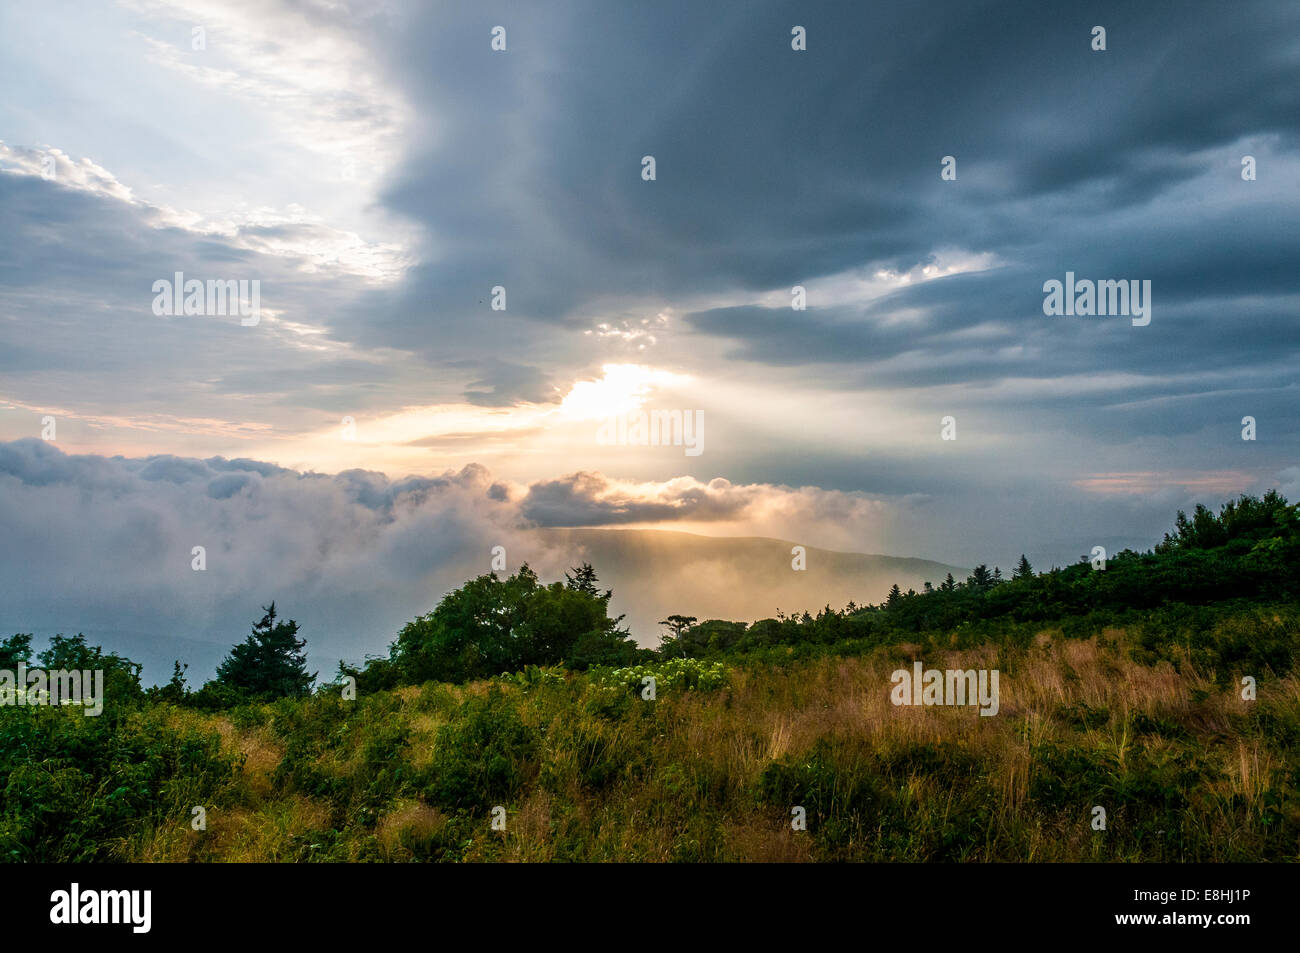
<point x="482" y="758"/>
<point x="861" y="800"/>
<point x="492" y="625"/>
<point x="590" y="771"/>
<point x="671" y="674"/>
<point x="175" y="691"/>
<point x="674" y="640"/>
<point x="1249" y="554"/>
<point x="121" y="675"/>
<point x="74" y="786"/>
<point x="270" y="663"/>
<point x="583" y="579"/>
<point x="533" y="677"/>
<point x="15" y="650"/>
<point x="712" y="637"/>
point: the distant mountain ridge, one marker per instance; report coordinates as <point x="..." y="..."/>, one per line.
<point x="742" y="578"/>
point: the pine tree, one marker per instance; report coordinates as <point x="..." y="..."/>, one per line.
<point x="1023" y="569"/>
<point x="949" y="584"/>
<point x="583" y="579"/>
<point x="895" y="596"/>
<point x="270" y="662"/>
<point x="175" y="690"/>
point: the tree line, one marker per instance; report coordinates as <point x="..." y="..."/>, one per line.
<point x="1248" y="551"/>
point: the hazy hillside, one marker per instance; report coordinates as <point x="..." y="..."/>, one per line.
<point x="654" y="573"/>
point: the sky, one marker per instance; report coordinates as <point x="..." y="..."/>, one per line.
<point x="386" y="176"/>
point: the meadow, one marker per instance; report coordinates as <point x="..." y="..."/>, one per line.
<point x="587" y="770"/>
<point x="1147" y="712"/>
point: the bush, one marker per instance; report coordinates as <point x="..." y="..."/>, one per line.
<point x="672" y="674"/>
<point x="75" y="788"/>
<point x="483" y="756"/>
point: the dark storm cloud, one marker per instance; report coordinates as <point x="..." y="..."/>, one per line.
<point x="775" y="167"/>
<point x="778" y="168"/>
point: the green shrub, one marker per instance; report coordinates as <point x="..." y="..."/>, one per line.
<point x="671" y="674"/>
<point x="483" y="756"/>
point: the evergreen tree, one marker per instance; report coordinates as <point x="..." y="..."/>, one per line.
<point x="1023" y="569"/>
<point x="583" y="579"/>
<point x="270" y="662"/>
<point x="949" y="584"/>
<point x="175" y="690"/>
<point x="895" y="596"/>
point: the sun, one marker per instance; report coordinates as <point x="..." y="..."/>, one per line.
<point x="621" y="389"/>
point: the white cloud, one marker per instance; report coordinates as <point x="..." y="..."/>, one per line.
<point x="291" y="233"/>
<point x="300" y="62"/>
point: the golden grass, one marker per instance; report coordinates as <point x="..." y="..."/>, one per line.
<point x="703" y="754"/>
<point x="408" y="820"/>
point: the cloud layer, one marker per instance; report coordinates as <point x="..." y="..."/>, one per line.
<point x="106" y="545"/>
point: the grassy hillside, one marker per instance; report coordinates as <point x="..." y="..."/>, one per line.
<point x="588" y="770"/>
<point x="1161" y="689"/>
